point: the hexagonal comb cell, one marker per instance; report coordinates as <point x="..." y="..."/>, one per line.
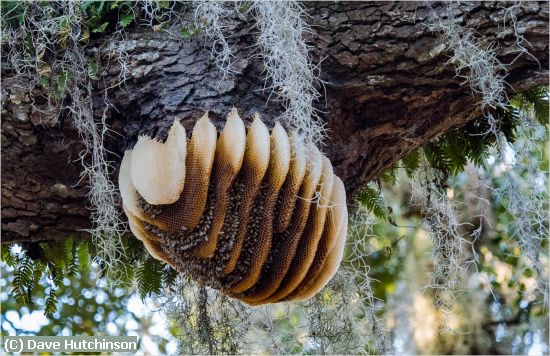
<point x="258" y="215"/>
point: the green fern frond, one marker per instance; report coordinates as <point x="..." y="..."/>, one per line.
<point x="55" y="252"/>
<point x="540" y="106"/>
<point x="508" y="121"/>
<point x="537" y="100"/>
<point x="476" y="142"/>
<point x="149" y="277"/>
<point x="389" y="175"/>
<point x="38" y="272"/>
<point x="454" y="147"/>
<point x="51" y="303"/>
<point x="437" y="157"/>
<point x="476" y="149"/>
<point x="411" y="162"/>
<point x="67" y="251"/>
<point x="55" y="274"/>
<point x="7" y="257"/>
<point x="371" y="199"/>
<point x="169" y="276"/>
<point x="84" y="257"/>
<point x="70" y="261"/>
<point x="23" y="281"/>
<point x="126" y="19"/>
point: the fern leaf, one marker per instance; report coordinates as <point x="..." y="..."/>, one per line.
<point x="371" y="199"/>
<point x="536" y="99"/>
<point x="51" y="303"/>
<point x="22" y="280"/>
<point x="389" y="175"/>
<point x="149" y="277"/>
<point x="475" y="140"/>
<point x="7" y="257"/>
<point x="56" y="253"/>
<point x="476" y="149"/>
<point x="541" y="110"/>
<point x="84" y="257"/>
<point x="454" y="150"/>
<point x="437" y="157"/>
<point x="55" y="274"/>
<point x="68" y="255"/>
<point x="169" y="276"/>
<point x="38" y="272"/>
<point x="411" y="162"/>
<point x="67" y="251"/>
<point x="101" y="29"/>
<point x="71" y="261"/>
<point x="508" y="122"/>
<point x="126" y="19"/>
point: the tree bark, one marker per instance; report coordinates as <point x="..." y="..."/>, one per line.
<point x="388" y="91"/>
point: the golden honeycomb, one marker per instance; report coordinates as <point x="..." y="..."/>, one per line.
<point x="258" y="215"/>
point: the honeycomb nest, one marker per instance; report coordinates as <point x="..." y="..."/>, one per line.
<point x="259" y="216"/>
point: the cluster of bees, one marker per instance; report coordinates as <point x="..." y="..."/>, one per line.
<point x="258" y="215"/>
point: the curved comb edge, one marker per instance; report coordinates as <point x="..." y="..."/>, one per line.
<point x="336" y="217"/>
<point x="307" y="246"/>
<point x="228" y="159"/>
<point x="256" y="162"/>
<point x="158" y="169"/>
<point x="279" y="163"/>
<point x="332" y="263"/>
<point x="201" y="150"/>
<point x="290" y="239"/>
<point x="136" y="227"/>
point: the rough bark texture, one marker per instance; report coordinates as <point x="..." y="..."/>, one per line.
<point x="388" y="91"/>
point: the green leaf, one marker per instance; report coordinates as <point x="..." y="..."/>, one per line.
<point x="86" y="5"/>
<point x="13" y="12"/>
<point x="71" y="262"/>
<point x="38" y="272"/>
<point x="244" y="7"/>
<point x="93" y="70"/>
<point x="411" y="162"/>
<point x="537" y="99"/>
<point x="84" y="257"/>
<point x="62" y="83"/>
<point x="149" y="277"/>
<point x="101" y="28"/>
<point x="188" y="31"/>
<point x="371" y="199"/>
<point x="67" y="251"/>
<point x="55" y="274"/>
<point x="126" y="19"/>
<point x="44" y="81"/>
<point x="541" y="111"/>
<point x="437" y="157"/>
<point x="389" y="175"/>
<point x="169" y="276"/>
<point x="7" y="256"/>
<point x="454" y="147"/>
<point x="51" y="304"/>
<point x="508" y="122"/>
<point x="23" y="281"/>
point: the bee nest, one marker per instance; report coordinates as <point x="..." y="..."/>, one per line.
<point x="259" y="216"/>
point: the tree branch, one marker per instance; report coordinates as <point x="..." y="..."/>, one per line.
<point x="389" y="90"/>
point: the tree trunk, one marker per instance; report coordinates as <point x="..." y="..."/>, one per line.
<point x="389" y="90"/>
